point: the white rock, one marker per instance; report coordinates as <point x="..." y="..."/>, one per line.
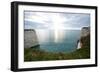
<point x="30" y="38"/>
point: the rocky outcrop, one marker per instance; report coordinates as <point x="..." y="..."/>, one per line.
<point x="30" y="38"/>
<point x="85" y="31"/>
<point x="85" y="34"/>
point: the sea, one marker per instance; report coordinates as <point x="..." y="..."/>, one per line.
<point x="63" y="41"/>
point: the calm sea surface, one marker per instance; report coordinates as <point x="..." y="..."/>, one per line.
<point x="58" y="40"/>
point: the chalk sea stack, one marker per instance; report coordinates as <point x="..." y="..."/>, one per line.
<point x="30" y="38"/>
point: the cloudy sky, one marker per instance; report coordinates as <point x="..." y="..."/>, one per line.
<point x="48" y="20"/>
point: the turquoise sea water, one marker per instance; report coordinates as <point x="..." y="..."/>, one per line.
<point x="59" y="40"/>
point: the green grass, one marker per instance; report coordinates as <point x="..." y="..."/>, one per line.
<point x="35" y="54"/>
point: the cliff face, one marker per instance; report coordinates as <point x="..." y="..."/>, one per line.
<point x="85" y="31"/>
<point x="84" y="38"/>
<point x="30" y="38"/>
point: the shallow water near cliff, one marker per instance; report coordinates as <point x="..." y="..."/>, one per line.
<point x="58" y="40"/>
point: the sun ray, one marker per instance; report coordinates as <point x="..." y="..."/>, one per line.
<point x="57" y="21"/>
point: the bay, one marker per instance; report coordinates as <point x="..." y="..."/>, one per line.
<point x="58" y="40"/>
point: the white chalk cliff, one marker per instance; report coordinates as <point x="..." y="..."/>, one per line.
<point x="30" y="38"/>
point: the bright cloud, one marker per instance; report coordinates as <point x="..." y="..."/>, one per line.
<point x="47" y="20"/>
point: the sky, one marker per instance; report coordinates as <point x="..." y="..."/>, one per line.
<point x="53" y="20"/>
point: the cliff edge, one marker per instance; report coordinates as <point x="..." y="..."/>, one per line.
<point x="84" y="37"/>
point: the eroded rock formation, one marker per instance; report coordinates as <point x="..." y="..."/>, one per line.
<point x="85" y="35"/>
